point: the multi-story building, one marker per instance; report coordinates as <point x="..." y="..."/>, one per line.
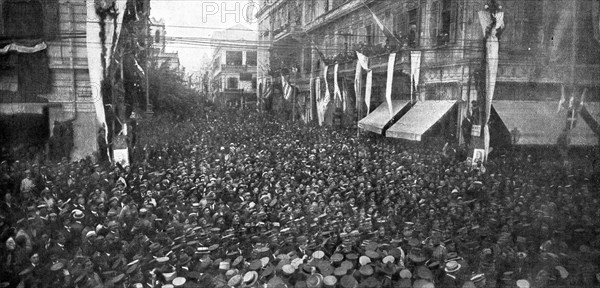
<point x="545" y="45"/>
<point x="233" y="71"/>
<point x="45" y="74"/>
<point x="159" y="57"/>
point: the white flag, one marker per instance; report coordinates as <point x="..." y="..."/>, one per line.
<point x="415" y="70"/>
<point x="390" y="82"/>
<point x="337" y="94"/>
<point x="364" y="62"/>
<point x="358" y="86"/>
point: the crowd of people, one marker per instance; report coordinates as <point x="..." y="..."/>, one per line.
<point x="241" y="199"/>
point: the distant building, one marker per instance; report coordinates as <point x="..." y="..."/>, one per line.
<point x="159" y="56"/>
<point x="233" y="67"/>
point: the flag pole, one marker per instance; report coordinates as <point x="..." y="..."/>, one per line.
<point x="380" y="23"/>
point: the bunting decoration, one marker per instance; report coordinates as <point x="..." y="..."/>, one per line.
<point x="485" y="18"/>
<point x="288" y="89"/>
<point x="415" y="70"/>
<point x="337" y="94"/>
<point x="364" y="63"/>
<point x="358" y="86"/>
<point x="14" y="47"/>
<point x="389" y="84"/>
<point x="320" y="114"/>
<point x="95" y="47"/>
<point x="388" y="34"/>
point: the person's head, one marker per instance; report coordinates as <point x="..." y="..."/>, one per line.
<point x="35" y="259"/>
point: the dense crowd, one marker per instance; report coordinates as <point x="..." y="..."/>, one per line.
<point x="240" y="199"/>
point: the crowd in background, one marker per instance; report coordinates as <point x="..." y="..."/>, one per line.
<point x="240" y="199"/>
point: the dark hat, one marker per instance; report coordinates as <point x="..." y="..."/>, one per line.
<point x="348" y="281"/>
<point x="366" y="270"/>
<point x="424" y="273"/>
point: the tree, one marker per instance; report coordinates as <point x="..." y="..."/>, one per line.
<point x="169" y="93"/>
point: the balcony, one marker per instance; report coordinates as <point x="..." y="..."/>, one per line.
<point x="288" y="30"/>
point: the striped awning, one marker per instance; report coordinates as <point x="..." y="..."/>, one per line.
<point x="420" y="118"/>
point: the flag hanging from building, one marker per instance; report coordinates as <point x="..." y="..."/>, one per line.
<point x="337" y="94"/>
<point x="95" y="47"/>
<point x="318" y="100"/>
<point x="288" y="89"/>
<point x="364" y="63"/>
<point x="415" y="70"/>
<point x="388" y="34"/>
<point x="358" y="87"/>
<point x="390" y="82"/>
<point x="562" y="100"/>
<point x="492" y="66"/>
<point x="326" y="96"/>
<point x="310" y="102"/>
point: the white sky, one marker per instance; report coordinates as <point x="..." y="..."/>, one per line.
<point x="195" y="19"/>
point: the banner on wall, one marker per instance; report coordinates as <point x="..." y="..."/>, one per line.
<point x="364" y="63"/>
<point x="390" y="82"/>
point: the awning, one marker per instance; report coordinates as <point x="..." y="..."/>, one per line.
<point x="538" y="123"/>
<point x="420" y="118"/>
<point x="378" y="119"/>
<point x="591" y="114"/>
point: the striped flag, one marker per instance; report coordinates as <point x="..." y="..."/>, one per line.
<point x="288" y="89"/>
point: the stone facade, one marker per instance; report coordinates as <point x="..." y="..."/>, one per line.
<point x="449" y="34"/>
<point x="69" y="96"/>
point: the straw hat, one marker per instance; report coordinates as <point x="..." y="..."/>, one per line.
<point x="523" y="283"/>
<point x="452" y="266"/>
<point x="250" y="278"/>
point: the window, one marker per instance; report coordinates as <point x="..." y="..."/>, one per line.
<point x="307" y="61"/>
<point x="233" y="58"/>
<point x="369" y="34"/>
<point x="232" y="83"/>
<point x="533" y="13"/>
<point x="245" y="76"/>
<point x="157" y="36"/>
<point x="443" y="15"/>
<point x="446" y="22"/>
<point x="23" y="18"/>
<point x="251" y="58"/>
<point x="413" y="24"/>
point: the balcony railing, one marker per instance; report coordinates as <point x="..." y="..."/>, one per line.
<point x="287" y="30"/>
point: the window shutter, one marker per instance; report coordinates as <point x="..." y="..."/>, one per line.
<point x="453" y="20"/>
<point x="434" y="24"/>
